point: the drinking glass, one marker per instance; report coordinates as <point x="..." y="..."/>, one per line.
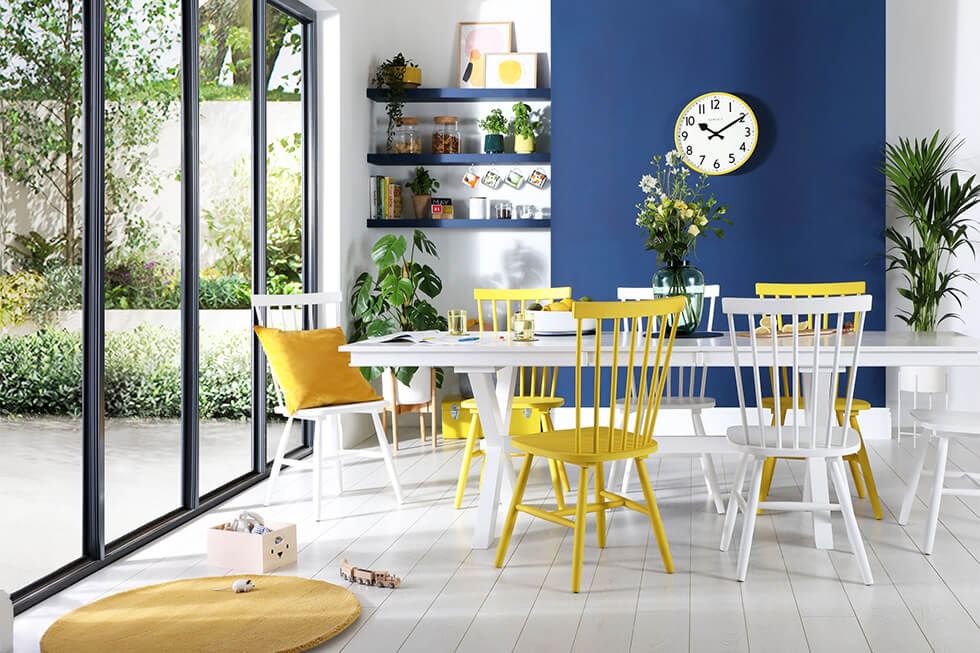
<point x="522" y="326"/>
<point x="457" y="322"/>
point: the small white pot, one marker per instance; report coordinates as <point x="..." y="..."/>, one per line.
<point x="922" y="379"/>
<point x="419" y="391"/>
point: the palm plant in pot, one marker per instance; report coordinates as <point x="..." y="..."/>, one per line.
<point x="422" y="186"/>
<point x="931" y="226"/>
<point x="526" y="128"/>
<point x="397" y="299"/>
<point x="495" y="126"/>
<point x="396" y="74"/>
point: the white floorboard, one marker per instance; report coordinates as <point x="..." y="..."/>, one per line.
<point x="452" y="598"/>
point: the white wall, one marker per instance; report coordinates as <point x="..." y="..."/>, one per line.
<point x="931" y="83"/>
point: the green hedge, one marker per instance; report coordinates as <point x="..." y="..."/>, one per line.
<point x="40" y="374"/>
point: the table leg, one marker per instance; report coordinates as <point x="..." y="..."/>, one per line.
<point x="494" y="408"/>
<point x="816" y="476"/>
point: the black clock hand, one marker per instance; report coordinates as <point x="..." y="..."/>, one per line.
<point x="737" y="120"/>
<point x="704" y="127"/>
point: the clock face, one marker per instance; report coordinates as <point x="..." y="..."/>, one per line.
<point x="716" y="133"/>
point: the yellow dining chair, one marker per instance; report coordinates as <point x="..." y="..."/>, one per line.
<point x="644" y="369"/>
<point x="535" y="386"/>
<point x="859" y="463"/>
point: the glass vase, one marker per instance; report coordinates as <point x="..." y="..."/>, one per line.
<point x="682" y="279"/>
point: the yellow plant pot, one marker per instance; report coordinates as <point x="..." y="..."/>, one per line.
<point x="523" y="144"/>
<point x="412" y="76"/>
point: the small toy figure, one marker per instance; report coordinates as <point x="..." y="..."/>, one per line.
<point x="243" y="585"/>
<point x="367" y="577"/>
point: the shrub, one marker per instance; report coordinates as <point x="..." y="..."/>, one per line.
<point x="62" y="291"/>
<point x="18" y="292"/>
<point x="224" y="291"/>
<point x="134" y="281"/>
<point x="40" y="374"/>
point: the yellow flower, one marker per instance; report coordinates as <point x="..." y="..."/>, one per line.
<point x="689" y="213"/>
<point x="681" y="205"/>
<point x="702" y="221"/>
<point x="693" y="230"/>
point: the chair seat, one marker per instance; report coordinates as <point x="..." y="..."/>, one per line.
<point x="962" y="422"/>
<point x="323" y="411"/>
<point x="857" y="405"/>
<point x="749" y="441"/>
<point x="522" y="402"/>
<point x="561" y="444"/>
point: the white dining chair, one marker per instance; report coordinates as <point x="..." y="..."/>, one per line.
<point x="684" y="391"/>
<point x="302" y="312"/>
<point x="929" y="381"/>
<point x="944" y="425"/>
<point x="821" y="442"/>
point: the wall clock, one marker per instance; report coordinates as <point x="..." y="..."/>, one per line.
<point x="716" y="133"/>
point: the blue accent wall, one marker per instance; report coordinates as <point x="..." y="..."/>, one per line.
<point x="808" y="206"/>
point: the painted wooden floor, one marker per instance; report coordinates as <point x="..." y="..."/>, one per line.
<point x="796" y="598"/>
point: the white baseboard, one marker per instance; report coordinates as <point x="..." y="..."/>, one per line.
<point x="875" y="424"/>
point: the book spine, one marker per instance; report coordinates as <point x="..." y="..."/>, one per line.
<point x="397" y="201"/>
<point x="373" y="196"/>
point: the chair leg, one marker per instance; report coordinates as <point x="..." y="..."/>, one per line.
<point x="768" y="471"/>
<point x="562" y="471"/>
<point x="464" y="469"/>
<point x="600" y="516"/>
<point x="317" y="468"/>
<point x="732" y="512"/>
<point x="578" y="539"/>
<point x="277" y="461"/>
<point x="655" y="519"/>
<point x="920" y="461"/>
<point x="394" y="427"/>
<point x="386" y="454"/>
<point x="432" y="417"/>
<point x="850" y="521"/>
<point x="556" y="483"/>
<point x="711" y="479"/>
<point x="422" y="426"/>
<point x="942" y="449"/>
<point x="515" y="501"/>
<point x="869" y="477"/>
<point x="748" y="525"/>
<point x="852" y="460"/>
<point x="338" y="448"/>
<point x="627" y="466"/>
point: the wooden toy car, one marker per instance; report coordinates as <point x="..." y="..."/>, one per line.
<point x="367" y="577"/>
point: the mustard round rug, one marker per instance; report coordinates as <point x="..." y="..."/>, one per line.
<point x="282" y="614"/>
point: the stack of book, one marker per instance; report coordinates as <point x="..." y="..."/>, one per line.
<point x="386" y="198"/>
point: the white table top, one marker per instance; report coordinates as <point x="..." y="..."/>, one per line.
<point x="879" y="349"/>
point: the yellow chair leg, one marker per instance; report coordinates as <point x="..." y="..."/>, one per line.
<point x="578" y="541"/>
<point x="600" y="516"/>
<point x="464" y="468"/>
<point x="768" y="470"/>
<point x="655" y="520"/>
<point x="562" y="472"/>
<point x="512" y="511"/>
<point x="869" y="477"/>
<point x="556" y="483"/>
<point x="852" y="462"/>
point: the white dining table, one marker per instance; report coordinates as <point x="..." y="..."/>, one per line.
<point x="492" y="359"/>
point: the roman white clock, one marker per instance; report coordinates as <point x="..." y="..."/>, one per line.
<point x="716" y="133"/>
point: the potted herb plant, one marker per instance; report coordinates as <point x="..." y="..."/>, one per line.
<point x="422" y="186"/>
<point x="396" y="74"/>
<point x="495" y="126"/>
<point x="931" y="226"/>
<point x="397" y="299"/>
<point x="526" y="127"/>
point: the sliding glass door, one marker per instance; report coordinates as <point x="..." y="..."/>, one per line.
<point x="151" y="180"/>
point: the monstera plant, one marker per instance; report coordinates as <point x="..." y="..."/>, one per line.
<point x="397" y="297"/>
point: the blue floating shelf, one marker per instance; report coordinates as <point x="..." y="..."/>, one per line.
<point x="458" y="224"/>
<point x="464" y="94"/>
<point x="533" y="158"/>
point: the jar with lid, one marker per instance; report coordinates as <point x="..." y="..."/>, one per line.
<point x="446" y="137"/>
<point x="406" y="138"/>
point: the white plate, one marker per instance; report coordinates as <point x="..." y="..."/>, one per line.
<point x="563" y="333"/>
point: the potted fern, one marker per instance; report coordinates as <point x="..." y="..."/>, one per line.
<point x="495" y="126"/>
<point x="396" y="74"/>
<point x="422" y="186"/>
<point x="931" y="226"/>
<point x="526" y="128"/>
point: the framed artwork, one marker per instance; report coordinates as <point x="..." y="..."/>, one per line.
<point x="475" y="41"/>
<point x="512" y="69"/>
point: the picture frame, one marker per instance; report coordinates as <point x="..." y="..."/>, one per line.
<point x="511" y="70"/>
<point x="474" y="40"/>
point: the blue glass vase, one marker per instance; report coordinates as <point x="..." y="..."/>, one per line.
<point x="682" y="278"/>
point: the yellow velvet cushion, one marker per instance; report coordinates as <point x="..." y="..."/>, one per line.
<point x="311" y="370"/>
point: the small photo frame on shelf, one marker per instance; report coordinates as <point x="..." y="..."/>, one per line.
<point x="514" y="179"/>
<point x="538" y="178"/>
<point x="492" y="179"/>
<point x="471" y="178"/>
<point x="512" y="70"/>
<point x="475" y="41"/>
<point x="441" y="208"/>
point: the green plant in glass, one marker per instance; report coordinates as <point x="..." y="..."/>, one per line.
<point x="390" y="75"/>
<point x="397" y="299"/>
<point x="496" y="127"/>
<point x="526" y="127"/>
<point x="932" y="225"/>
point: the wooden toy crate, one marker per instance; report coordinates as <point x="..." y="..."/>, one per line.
<point x="252" y="554"/>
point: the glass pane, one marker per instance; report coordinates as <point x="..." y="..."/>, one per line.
<point x="40" y="288"/>
<point x="284" y="169"/>
<point x="226" y="241"/>
<point x="142" y="240"/>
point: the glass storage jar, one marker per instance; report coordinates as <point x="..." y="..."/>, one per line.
<point x="406" y="138"/>
<point x="446" y="137"/>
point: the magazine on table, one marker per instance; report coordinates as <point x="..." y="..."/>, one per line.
<point x="423" y="337"/>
